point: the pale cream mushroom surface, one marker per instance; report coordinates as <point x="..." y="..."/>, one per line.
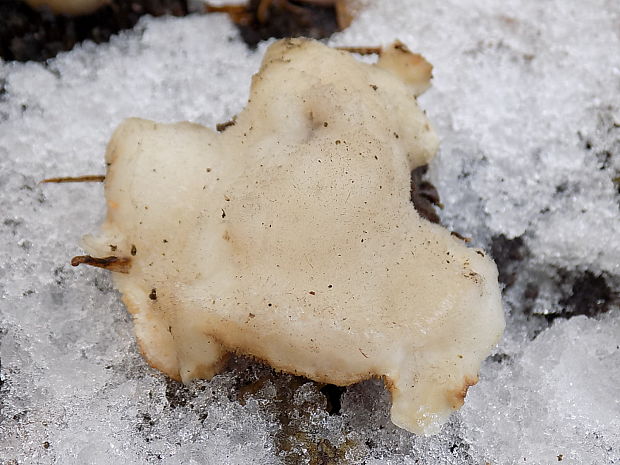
<point x="290" y="237"/>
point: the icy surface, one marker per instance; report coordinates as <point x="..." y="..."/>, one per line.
<point x="563" y="397"/>
<point x="526" y="100"/>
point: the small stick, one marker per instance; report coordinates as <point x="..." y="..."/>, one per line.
<point x="118" y="264"/>
<point x="361" y="50"/>
<point x="87" y="178"/>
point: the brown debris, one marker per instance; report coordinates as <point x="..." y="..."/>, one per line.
<point x="464" y="239"/>
<point x="249" y="390"/>
<point x="238" y="13"/>
<point x="222" y="126"/>
<point x="118" y="264"/>
<point x="263" y="19"/>
<point x="424" y="195"/>
<point x="361" y="50"/>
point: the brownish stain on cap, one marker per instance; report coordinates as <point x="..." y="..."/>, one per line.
<point x="457" y="396"/>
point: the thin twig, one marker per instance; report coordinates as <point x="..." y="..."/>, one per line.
<point x="118" y="264"/>
<point x="361" y="50"/>
<point x="87" y="178"/>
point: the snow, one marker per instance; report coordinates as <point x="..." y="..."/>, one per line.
<point x="526" y="100"/>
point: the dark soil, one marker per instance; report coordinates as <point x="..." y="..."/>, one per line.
<point x="177" y="394"/>
<point x="581" y="292"/>
<point x="288" y="19"/>
<point x="590" y="295"/>
<point x="508" y="255"/>
<point x="38" y="35"/>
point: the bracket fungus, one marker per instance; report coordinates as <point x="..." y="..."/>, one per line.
<point x="290" y="237"/>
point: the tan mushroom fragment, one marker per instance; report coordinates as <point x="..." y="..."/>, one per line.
<point x="290" y="237"/>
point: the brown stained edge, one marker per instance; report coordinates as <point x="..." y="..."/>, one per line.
<point x="291" y="369"/>
<point x="456" y="397"/>
<point x="389" y="384"/>
<point x="176" y="376"/>
<point x="208" y="371"/>
<point x="398" y="45"/>
<point x="86" y="178"/>
<point x="117" y="264"/>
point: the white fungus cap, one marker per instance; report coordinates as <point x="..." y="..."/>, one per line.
<point x="290" y="237"/>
